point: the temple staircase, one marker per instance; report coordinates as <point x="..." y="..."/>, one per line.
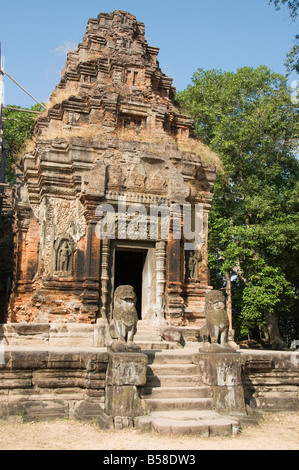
<point x="148" y="337"/>
<point x="175" y="400"/>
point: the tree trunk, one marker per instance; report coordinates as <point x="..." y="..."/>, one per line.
<point x="274" y="334"/>
<point x="229" y="309"/>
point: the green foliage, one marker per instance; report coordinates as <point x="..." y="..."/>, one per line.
<point x="292" y="60"/>
<point x="248" y="118"/>
<point x="17" y="129"/>
<point x="291" y="4"/>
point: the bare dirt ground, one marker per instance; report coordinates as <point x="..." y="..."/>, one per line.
<point x="279" y="431"/>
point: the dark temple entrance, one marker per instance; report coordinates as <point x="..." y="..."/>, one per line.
<point x="128" y="271"/>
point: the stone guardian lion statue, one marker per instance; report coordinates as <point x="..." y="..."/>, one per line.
<point x="125" y="319"/>
<point x="215" y="332"/>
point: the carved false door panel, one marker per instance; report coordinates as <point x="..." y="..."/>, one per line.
<point x="174" y="260"/>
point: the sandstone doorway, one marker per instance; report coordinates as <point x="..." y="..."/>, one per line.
<point x="135" y="264"/>
<point x="128" y="270"/>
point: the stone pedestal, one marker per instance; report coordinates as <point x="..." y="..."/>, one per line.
<point x="222" y="371"/>
<point x="126" y="372"/>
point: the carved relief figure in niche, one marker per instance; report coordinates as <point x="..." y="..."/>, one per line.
<point x="64" y="250"/>
<point x="63" y="257"/>
<point x="193" y="259"/>
<point x="73" y="118"/>
<point x="136" y="177"/>
<point x="156" y="181"/>
<point x="116" y="178"/>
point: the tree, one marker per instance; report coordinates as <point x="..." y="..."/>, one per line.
<point x="17" y="130"/>
<point x="292" y="5"/>
<point x="248" y="118"/>
<point x="292" y="61"/>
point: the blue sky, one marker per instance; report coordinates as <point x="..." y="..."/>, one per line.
<point x="191" y="34"/>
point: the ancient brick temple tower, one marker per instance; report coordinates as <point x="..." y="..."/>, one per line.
<point x="113" y="137"/>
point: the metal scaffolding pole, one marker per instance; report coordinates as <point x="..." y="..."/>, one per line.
<point x="9" y="76"/>
<point x="2" y="143"/>
<point x="2" y="107"/>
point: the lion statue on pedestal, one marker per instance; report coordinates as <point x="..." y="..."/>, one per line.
<point x="215" y="332"/>
<point x="125" y="319"/>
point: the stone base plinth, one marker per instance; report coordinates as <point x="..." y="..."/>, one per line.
<point x="125" y="373"/>
<point x="222" y="372"/>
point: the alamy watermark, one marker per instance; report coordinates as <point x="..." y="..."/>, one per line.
<point x="295" y="92"/>
<point x="155" y="221"/>
<point x="2" y="353"/>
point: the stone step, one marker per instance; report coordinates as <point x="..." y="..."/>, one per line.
<point x="147" y="328"/>
<point x="204" y="422"/>
<point x="175" y="392"/>
<point x="145" y="324"/>
<point x="147" y="337"/>
<point x="154" y="345"/>
<point x="172" y="369"/>
<point x="144" y="329"/>
<point x="176" y="404"/>
<point x="175" y="400"/>
<point x="172" y="380"/>
<point x="173" y="356"/>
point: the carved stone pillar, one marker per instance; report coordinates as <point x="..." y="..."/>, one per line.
<point x="160" y="281"/>
<point x="104" y="280"/>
